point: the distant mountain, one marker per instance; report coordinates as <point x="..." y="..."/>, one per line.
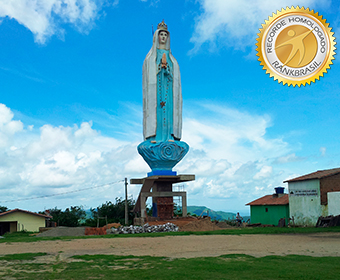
<point x="88" y="214"/>
<point x="215" y="215"/>
<point x="197" y="210"/>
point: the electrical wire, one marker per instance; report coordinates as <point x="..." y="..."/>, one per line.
<point x="56" y="194"/>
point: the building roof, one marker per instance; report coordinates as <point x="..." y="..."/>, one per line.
<point x="270" y="200"/>
<point x="316" y="175"/>
<point x="23" y="211"/>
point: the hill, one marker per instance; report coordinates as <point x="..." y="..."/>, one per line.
<point x="215" y="215"/>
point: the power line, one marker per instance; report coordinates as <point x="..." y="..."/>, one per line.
<point x="50" y="195"/>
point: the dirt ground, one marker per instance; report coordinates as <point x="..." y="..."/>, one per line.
<point x="318" y="244"/>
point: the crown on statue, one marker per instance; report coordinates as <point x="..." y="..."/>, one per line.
<point x="162" y="26"/>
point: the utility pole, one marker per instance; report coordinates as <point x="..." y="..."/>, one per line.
<point x="126" y="203"/>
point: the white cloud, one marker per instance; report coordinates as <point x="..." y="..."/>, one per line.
<point x="265" y="172"/>
<point x="323" y="151"/>
<point x="236" y="23"/>
<point x="45" y="17"/>
<point x="230" y="154"/>
<point x="288" y="158"/>
<point x="56" y="159"/>
<point x="8" y="126"/>
<point x="230" y="134"/>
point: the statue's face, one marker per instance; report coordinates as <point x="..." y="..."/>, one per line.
<point x="162" y="37"/>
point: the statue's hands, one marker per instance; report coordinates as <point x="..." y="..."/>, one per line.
<point x="164" y="63"/>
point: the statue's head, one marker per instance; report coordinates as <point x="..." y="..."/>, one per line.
<point x="162" y="37"/>
<point x="163" y="34"/>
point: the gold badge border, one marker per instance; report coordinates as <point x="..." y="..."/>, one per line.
<point x="327" y="62"/>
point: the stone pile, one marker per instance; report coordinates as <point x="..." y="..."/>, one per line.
<point x="168" y="227"/>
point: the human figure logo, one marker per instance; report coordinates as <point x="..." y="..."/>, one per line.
<point x="296" y="46"/>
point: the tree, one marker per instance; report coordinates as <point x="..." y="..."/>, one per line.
<point x="115" y="212"/>
<point x="69" y="218"/>
<point x="3" y="209"/>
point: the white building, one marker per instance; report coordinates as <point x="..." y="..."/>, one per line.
<point x="314" y="195"/>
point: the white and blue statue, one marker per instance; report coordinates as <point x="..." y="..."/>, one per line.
<point x="162" y="107"/>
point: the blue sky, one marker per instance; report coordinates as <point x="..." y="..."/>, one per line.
<point x="71" y="101"/>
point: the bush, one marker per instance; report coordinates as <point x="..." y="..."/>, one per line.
<point x="69" y="217"/>
<point x="3" y="209"/>
<point x="114" y="212"/>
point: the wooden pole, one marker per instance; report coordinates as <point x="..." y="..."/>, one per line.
<point x="126" y="203"/>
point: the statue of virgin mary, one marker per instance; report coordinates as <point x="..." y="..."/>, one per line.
<point x="162" y="107"/>
<point x="162" y="94"/>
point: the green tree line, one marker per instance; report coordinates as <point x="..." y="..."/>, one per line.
<point x="74" y="216"/>
<point x="3" y="209"/>
<point x="114" y="212"/>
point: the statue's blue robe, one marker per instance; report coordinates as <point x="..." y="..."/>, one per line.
<point x="164" y="99"/>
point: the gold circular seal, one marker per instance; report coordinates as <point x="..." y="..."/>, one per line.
<point x="295" y="46"/>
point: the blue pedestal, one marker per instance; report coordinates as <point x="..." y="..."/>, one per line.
<point x="162" y="156"/>
<point x="162" y="172"/>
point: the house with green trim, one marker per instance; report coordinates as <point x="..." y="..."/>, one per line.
<point x="269" y="209"/>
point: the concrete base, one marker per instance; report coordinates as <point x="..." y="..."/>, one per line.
<point x="161" y="188"/>
<point x="139" y="221"/>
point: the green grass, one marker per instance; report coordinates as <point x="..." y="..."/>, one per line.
<point x="21" y="257"/>
<point x="25" y="236"/>
<point x="132" y="267"/>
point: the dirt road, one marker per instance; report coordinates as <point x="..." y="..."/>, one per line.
<point x="319" y="244"/>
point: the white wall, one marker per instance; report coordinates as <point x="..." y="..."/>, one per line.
<point x="333" y="203"/>
<point x="304" y="202"/>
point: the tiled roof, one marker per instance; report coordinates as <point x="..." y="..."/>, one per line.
<point x="24" y="211"/>
<point x="315" y="175"/>
<point x="271" y="200"/>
